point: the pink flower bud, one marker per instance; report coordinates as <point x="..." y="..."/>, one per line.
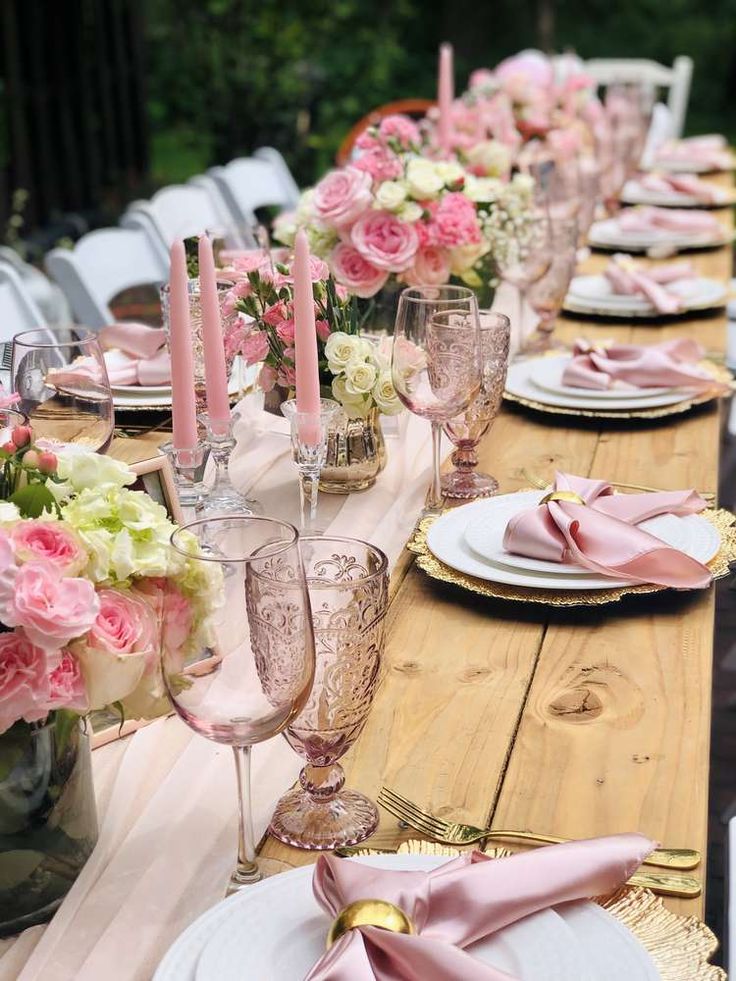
<point x="31" y="460"/>
<point x="47" y="462"/>
<point x="21" y="435"/>
<point x="10" y="447"/>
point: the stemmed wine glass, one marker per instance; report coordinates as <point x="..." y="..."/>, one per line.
<point x="528" y="256"/>
<point x="467" y="430"/>
<point x="435" y="360"/>
<point x="64" y="390"/>
<point x="547" y="294"/>
<point x="260" y="629"/>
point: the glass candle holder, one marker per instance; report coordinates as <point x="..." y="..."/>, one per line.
<point x="188" y="467"/>
<point x="222" y="497"/>
<point x="309" y="455"/>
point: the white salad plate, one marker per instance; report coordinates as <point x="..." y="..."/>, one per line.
<point x="594" y="294"/>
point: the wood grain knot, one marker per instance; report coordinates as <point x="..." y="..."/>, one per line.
<point x="577" y="705"/>
<point x="408" y="667"/>
<point x="474" y="673"/>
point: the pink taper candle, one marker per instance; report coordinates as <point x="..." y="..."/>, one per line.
<point x="180" y="345"/>
<point x="445" y="96"/>
<point x="215" y="372"/>
<point x="305" y="342"/>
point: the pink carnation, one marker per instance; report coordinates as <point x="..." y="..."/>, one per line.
<point x="266" y="378"/>
<point x="24" y="679"/>
<point x="401" y="128"/>
<point x="50" y="542"/>
<point x="274" y="314"/>
<point x="285" y="331"/>
<point x="52" y="610"/>
<point x="454" y="221"/>
<point x="431" y="268"/>
<point x="481" y="78"/>
<point x="318" y="272"/>
<point x="382" y="164"/>
<point x="342" y="196"/>
<point x="385" y="241"/>
<point x="66" y="686"/>
<point x="323" y="329"/>
<point x="367" y="140"/>
<point x="286" y="376"/>
<point x="254" y="347"/>
<point x="357" y="274"/>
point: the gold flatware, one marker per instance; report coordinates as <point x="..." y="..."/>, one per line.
<point x="452" y="833"/>
<point x="542" y="484"/>
<point x="662" y="883"/>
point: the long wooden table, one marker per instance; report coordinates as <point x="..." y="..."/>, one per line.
<point x="576" y="723"/>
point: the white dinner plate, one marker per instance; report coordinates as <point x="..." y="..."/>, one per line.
<point x="276" y="930"/>
<point x="608" y="234"/>
<point x="634" y="193"/>
<point x="546" y="373"/>
<point x="519" y="382"/>
<point x="159" y="396"/>
<point x="446" y="539"/>
<point x="595" y="295"/>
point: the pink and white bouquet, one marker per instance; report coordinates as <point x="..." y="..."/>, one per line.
<point x="83" y="591"/>
<point x="394" y="215"/>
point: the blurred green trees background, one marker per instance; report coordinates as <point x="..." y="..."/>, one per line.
<point x="225" y="76"/>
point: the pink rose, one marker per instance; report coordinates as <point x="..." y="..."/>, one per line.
<point x="454" y="221"/>
<point x="50" y="542"/>
<point x="431" y="268"/>
<point x="120" y="646"/>
<point x="66" y="686"/>
<point x="172" y="610"/>
<point x="530" y="69"/>
<point x="254" y="347"/>
<point x="385" y="241"/>
<point x="342" y="196"/>
<point x="24" y="679"/>
<point x="357" y="274"/>
<point x="401" y="128"/>
<point x="52" y="610"/>
<point x="382" y="164"/>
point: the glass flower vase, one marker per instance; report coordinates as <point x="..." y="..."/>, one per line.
<point x="48" y="817"/>
<point x="356" y="454"/>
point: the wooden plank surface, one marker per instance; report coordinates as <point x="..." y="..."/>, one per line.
<point x="570" y="722"/>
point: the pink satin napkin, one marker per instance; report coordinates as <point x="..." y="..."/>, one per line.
<point x="708" y="151"/>
<point x="602" y="536"/>
<point x="650" y="219"/>
<point x="626" y="277"/>
<point x="631" y="366"/>
<point x="459" y="903"/>
<point x="683" y="184"/>
<point x="135" y="354"/>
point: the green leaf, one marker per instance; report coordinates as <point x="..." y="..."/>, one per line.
<point x="66" y="723"/>
<point x="33" y="499"/>
<point x="120" y="709"/>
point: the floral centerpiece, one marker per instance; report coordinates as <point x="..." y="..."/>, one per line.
<point x="397" y="215"/>
<point x="86" y="579"/>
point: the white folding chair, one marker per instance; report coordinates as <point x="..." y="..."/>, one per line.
<point x="46" y="295"/>
<point x="677" y="79"/>
<point x="101" y="265"/>
<point x="18" y="312"/>
<point x="179" y="211"/>
<point x="287" y="178"/>
<point x="249" y="183"/>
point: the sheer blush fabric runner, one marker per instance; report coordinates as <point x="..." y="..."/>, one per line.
<point x="167" y="809"/>
<point x="459" y="903"/>
<point x="601" y="534"/>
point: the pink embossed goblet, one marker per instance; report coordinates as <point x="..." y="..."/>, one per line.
<point x="547" y="294"/>
<point x="348" y="590"/>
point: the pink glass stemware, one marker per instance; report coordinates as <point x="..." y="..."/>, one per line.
<point x="241" y="676"/>
<point x="348" y="588"/>
<point x="467" y="430"/>
<point x="547" y="295"/>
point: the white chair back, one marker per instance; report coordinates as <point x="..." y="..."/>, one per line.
<point x="179" y="211"/>
<point x="249" y="183"/>
<point x="101" y="265"/>
<point x="291" y="188"/>
<point x="46" y="295"/>
<point x="677" y="79"/>
<point x="18" y="311"/>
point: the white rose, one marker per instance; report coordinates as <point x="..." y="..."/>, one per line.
<point x="410" y="212"/>
<point x="423" y="180"/>
<point x="464" y="257"/>
<point x="355" y="408"/>
<point x="484" y="189"/>
<point x="341" y="348"/>
<point x="385" y="395"/>
<point x="360" y="377"/>
<point x="390" y="195"/>
<point x="450" y="171"/>
<point x="492" y="157"/>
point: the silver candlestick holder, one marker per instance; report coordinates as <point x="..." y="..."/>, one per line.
<point x="223" y="497"/>
<point x="188" y="466"/>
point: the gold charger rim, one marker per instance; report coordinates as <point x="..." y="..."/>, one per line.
<point x="724" y="522"/>
<point x="680" y="946"/>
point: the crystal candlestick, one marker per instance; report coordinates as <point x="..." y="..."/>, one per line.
<point x="223" y="497"/>
<point x="309" y="457"/>
<point x="188" y="467"/>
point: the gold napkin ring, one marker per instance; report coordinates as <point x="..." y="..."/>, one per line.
<point x="369" y="912"/>
<point x="562" y="495"/>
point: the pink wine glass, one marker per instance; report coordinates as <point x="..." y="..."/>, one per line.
<point x="348" y="589"/>
<point x="547" y="295"/>
<point x="242" y="676"/>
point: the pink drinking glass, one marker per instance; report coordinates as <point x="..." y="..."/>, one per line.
<point x="241" y="676"/>
<point x="547" y="294"/>
<point x="435" y="360"/>
<point x="348" y="589"/>
<point x="467" y="429"/>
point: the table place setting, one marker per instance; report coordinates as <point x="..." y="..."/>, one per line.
<point x="694" y="154"/>
<point x="675" y="190"/>
<point x="628" y="289"/>
<point x="657" y="230"/>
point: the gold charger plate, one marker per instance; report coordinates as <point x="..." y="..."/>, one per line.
<point x="720" y="373"/>
<point x="680" y="946"/>
<point x="724" y="521"/>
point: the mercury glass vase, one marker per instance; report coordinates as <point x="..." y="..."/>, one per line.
<point x="356" y="454"/>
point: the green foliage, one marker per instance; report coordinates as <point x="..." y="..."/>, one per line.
<point x="33" y="499"/>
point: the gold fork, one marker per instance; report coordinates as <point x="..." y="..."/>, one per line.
<point x="452" y="833"/>
<point x="542" y="484"/>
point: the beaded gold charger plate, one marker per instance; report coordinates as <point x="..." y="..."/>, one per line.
<point x="679" y="946"/>
<point x="724" y="522"/>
